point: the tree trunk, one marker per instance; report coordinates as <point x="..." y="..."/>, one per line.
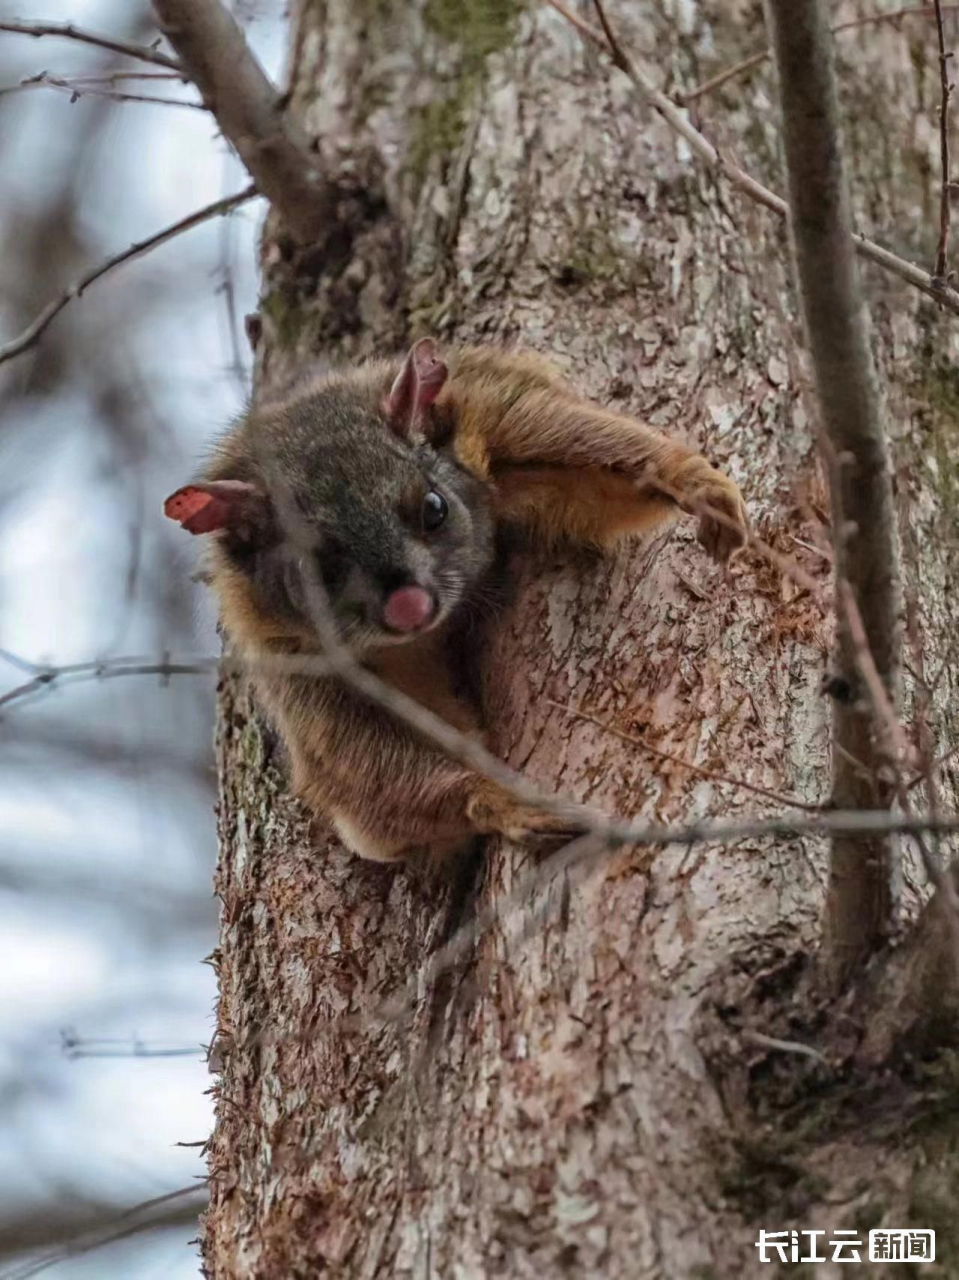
<point x="581" y="1097"/>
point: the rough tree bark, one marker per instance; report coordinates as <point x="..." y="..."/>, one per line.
<point x="593" y="1094"/>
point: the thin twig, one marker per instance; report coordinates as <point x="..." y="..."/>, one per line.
<point x="898" y="749"/>
<point x="763" y="55"/>
<point x="722" y="77"/>
<point x="945" y="91"/>
<point x="783" y="1046"/>
<point x="710" y="774"/>
<point x="616" y="50"/>
<point x="932" y="767"/>
<point x="116" y="77"/>
<point x="824" y="553"/>
<point x="22" y="664"/>
<point x="83" y="89"/>
<point x="75" y="1047"/>
<point x="68" y="31"/>
<point x="702" y="147"/>
<point x="118" y="1226"/>
<point x="49" y="313"/>
<point x="48" y="676"/>
<point x="465" y="750"/>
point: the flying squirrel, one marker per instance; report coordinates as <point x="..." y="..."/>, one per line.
<point x="388" y="483"/>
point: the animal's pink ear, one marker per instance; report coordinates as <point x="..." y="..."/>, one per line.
<point x="219" y="504"/>
<point x="417" y="385"/>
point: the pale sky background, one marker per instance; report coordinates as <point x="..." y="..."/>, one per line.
<point x="106" y="789"/>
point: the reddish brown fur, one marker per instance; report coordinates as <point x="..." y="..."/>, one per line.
<point x="557" y="465"/>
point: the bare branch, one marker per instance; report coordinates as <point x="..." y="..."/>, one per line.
<point x="46" y="677"/>
<point x="71" y="1237"/>
<point x="830" y="822"/>
<point x="68" y="31"/>
<point x="81" y="88"/>
<point x="46" y="317"/>
<point x="466" y="750"/>
<point x="250" y="113"/>
<point x="116" y="77"/>
<point x="22" y="664"/>
<point x="615" y="48"/>
<point x="702" y="147"/>
<point x="75" y="1046"/>
<point x="859" y="902"/>
<point x="763" y="55"/>
<point x="944" y="197"/>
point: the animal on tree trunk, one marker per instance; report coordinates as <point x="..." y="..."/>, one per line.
<point x="382" y="494"/>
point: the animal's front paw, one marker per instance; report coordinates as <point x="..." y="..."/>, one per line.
<point x="723" y="522"/>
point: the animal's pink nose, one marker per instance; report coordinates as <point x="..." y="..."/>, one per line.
<point x="408" y="609"/>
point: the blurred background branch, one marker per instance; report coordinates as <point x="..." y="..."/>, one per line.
<point x="107" y="790"/>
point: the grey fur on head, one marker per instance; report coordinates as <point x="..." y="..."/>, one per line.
<point x="377" y="507"/>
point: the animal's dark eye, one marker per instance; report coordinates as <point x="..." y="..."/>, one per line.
<point x="435" y="510"/>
